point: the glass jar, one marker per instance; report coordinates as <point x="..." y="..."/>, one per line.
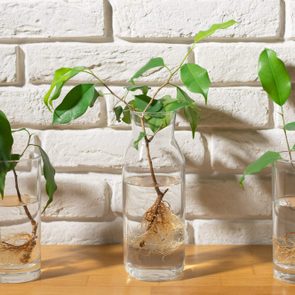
<point x="153" y="199"/>
<point x="284" y="220"/>
<point x="20" y="222"/>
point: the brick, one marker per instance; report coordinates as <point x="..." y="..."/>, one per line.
<point x="84" y="150"/>
<point x="82" y="233"/>
<point x="8" y="65"/>
<point x="221" y="197"/>
<point x="98" y="149"/>
<point x="232" y="232"/>
<point x="24" y="107"/>
<point x="51" y="19"/>
<point x="236" y="63"/>
<point x="157" y="19"/>
<point x="195" y="150"/>
<point x="232" y="151"/>
<point x="113" y="63"/>
<point x="79" y="196"/>
<point x="290" y="19"/>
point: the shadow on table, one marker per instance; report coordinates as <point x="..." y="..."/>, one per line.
<point x="216" y="260"/>
<point x="79" y="259"/>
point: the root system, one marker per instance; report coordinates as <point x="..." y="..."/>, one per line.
<point x="284" y="248"/>
<point x="163" y="230"/>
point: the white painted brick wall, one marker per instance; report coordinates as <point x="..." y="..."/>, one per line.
<point x="116" y="37"/>
<point x="51" y="18"/>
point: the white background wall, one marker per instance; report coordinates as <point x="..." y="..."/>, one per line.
<point x="238" y="124"/>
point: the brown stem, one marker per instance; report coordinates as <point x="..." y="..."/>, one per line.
<point x="32" y="220"/>
<point x="160" y="194"/>
<point x="30" y="244"/>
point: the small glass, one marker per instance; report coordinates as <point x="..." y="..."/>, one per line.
<point x="153" y="242"/>
<point x="284" y="220"/>
<point x="20" y="222"/>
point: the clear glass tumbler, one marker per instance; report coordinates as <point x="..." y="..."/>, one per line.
<point x="153" y="201"/>
<point x="284" y="220"/>
<point x="20" y="222"/>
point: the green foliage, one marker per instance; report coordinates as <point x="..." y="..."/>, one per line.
<point x="118" y="112"/>
<point x="262" y="162"/>
<point x="61" y="76"/>
<point x="8" y="161"/>
<point x="173" y="105"/>
<point x="143" y="88"/>
<point x="139" y="138"/>
<point x="274" y="76"/>
<point x="141" y="102"/>
<point x="191" y="111"/>
<point x="290" y="126"/>
<point x="156" y="62"/>
<point x="75" y="103"/>
<point x="195" y="79"/>
<point x="6" y="139"/>
<point x="49" y="173"/>
<point x="204" y="34"/>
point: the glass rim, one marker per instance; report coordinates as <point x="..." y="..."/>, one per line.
<point x="33" y="158"/>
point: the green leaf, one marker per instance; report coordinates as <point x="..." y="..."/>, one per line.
<point x="4" y="169"/>
<point x="2" y="183"/>
<point x="191" y="111"/>
<point x="158" y="121"/>
<point x="143" y="88"/>
<point x="274" y="76"/>
<point x="126" y="115"/>
<point x="49" y="173"/>
<point x="141" y="102"/>
<point x="118" y="112"/>
<point x="293" y="148"/>
<point x="204" y="34"/>
<point x="152" y="63"/>
<point x="196" y="79"/>
<point x="262" y="162"/>
<point x="172" y="105"/>
<point x="139" y="138"/>
<point x="61" y="76"/>
<point x="75" y="103"/>
<point x="290" y="126"/>
<point x="6" y="140"/>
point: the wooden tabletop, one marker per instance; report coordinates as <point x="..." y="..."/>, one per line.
<point x="87" y="270"/>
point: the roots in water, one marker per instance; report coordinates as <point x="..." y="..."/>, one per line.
<point x="284" y="248"/>
<point x="164" y="231"/>
<point x="21" y="246"/>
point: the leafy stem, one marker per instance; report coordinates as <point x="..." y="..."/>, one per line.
<point x="172" y="74"/>
<point x="106" y="86"/>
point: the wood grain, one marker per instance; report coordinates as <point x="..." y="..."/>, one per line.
<point x="87" y="270"/>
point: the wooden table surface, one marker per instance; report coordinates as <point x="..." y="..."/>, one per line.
<point x="87" y="270"/>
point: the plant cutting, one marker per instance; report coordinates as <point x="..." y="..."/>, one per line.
<point x="153" y="170"/>
<point x="276" y="81"/>
<point x="19" y="205"/>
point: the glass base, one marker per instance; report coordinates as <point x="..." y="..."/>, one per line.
<point x="14" y="278"/>
<point x="153" y="275"/>
<point x="285" y="277"/>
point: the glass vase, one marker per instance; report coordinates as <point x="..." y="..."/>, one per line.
<point x="284" y="220"/>
<point x="153" y="199"/>
<point x="20" y="222"/>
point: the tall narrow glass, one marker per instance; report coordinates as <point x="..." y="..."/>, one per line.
<point x="284" y="220"/>
<point x="153" y="201"/>
<point x="20" y="222"/>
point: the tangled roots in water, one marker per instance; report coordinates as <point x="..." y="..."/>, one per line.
<point x="24" y="251"/>
<point x="164" y="230"/>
